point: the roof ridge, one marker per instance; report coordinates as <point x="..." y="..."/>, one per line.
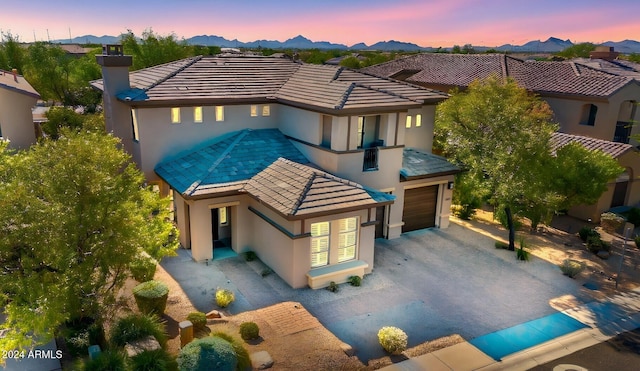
<point x="172" y="74"/>
<point x="345" y="96"/>
<point x="303" y="194"/>
<point x="217" y="162"/>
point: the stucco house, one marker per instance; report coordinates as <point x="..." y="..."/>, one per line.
<point x="586" y="102"/>
<point x="303" y="164"/>
<point x="17" y="98"/>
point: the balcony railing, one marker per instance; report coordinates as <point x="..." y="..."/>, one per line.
<point x="370" y="162"/>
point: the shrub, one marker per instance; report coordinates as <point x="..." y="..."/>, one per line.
<point x="107" y="361"/>
<point x="151" y="297"/>
<point x="333" y="287"/>
<point x="610" y="222"/>
<point x="250" y="256"/>
<point x="244" y="360"/>
<point x="464" y="212"/>
<point x="521" y="253"/>
<point x="501" y="245"/>
<point x="137" y="326"/>
<point x="249" y="331"/>
<point x="355" y="280"/>
<point x="571" y="268"/>
<point x="80" y="334"/>
<point x="143" y="268"/>
<point x="224" y="297"/>
<point x="586" y="232"/>
<point x="392" y="339"/>
<point x="154" y="360"/>
<point x="595" y="244"/>
<point x="198" y="319"/>
<point x="210" y="353"/>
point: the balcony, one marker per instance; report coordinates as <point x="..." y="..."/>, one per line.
<point x="370" y="162"/>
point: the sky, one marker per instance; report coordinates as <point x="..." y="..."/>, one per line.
<point x="424" y="22"/>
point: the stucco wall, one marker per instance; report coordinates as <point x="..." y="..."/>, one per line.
<point x="420" y="137"/>
<point x="160" y="139"/>
<point x="16" y="120"/>
<point x="301" y="124"/>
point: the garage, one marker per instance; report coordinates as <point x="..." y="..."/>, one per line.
<point x="419" y="208"/>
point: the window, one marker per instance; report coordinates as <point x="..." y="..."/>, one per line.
<point x="134" y="126"/>
<point x="266" y="110"/>
<point x="320" y="235"/>
<point x="222" y="216"/>
<point x="347" y="239"/>
<point x="623" y="132"/>
<point x="175" y="115"/>
<point x="254" y="111"/>
<point x="197" y="114"/>
<point x="360" y="131"/>
<point x="219" y="113"/>
<point x="408" y="122"/>
<point x="418" y="120"/>
<point x="589" y="112"/>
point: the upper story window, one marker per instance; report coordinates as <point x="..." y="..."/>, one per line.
<point x="219" y="113"/>
<point x="197" y="114"/>
<point x="408" y="122"/>
<point x="254" y="111"/>
<point x="418" y="120"/>
<point x="175" y="115"/>
<point x="134" y="126"/>
<point x="360" y="131"/>
<point x="266" y="110"/>
<point x="589" y="112"/>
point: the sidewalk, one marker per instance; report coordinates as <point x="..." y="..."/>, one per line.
<point x="606" y="319"/>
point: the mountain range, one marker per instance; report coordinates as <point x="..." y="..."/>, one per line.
<point x="550" y="45"/>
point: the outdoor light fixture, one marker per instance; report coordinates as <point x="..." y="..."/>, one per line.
<point x="450" y="185"/>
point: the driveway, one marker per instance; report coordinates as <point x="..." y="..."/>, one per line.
<point x="430" y="283"/>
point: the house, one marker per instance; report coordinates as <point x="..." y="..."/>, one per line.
<point x="305" y="165"/>
<point x="586" y="102"/>
<point x="17" y="98"/>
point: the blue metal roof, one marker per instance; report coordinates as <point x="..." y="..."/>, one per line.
<point x="232" y="158"/>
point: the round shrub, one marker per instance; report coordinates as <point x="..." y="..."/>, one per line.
<point x="210" y="353"/>
<point x="610" y="222"/>
<point x="198" y="319"/>
<point x="143" y="268"/>
<point x="135" y="327"/>
<point x="244" y="360"/>
<point x="107" y="361"/>
<point x="249" y="331"/>
<point x="151" y="297"/>
<point x="586" y="232"/>
<point x="571" y="268"/>
<point x="355" y="280"/>
<point x="224" y="297"/>
<point x="153" y="360"/>
<point x="392" y="339"/>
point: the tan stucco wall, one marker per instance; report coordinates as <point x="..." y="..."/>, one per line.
<point x="16" y="120"/>
<point x="420" y="137"/>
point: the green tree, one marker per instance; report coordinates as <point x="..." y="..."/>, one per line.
<point x="581" y="50"/>
<point x="634" y="57"/>
<point x="500" y="134"/>
<point x="351" y="62"/>
<point x="12" y="55"/>
<point x="48" y="69"/>
<point x="59" y="118"/>
<point x="153" y="49"/>
<point x="73" y="214"/>
<point x="456" y="49"/>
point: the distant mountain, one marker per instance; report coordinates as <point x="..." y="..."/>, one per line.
<point x="551" y="45"/>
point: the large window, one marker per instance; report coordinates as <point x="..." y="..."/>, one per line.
<point x="347" y="239"/>
<point x="320" y="236"/>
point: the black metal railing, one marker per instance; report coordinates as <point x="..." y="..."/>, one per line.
<point x="370" y="159"/>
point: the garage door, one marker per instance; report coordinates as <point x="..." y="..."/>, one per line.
<point x="419" y="208"/>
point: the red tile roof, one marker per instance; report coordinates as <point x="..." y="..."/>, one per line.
<point x="613" y="149"/>
<point x="459" y="70"/>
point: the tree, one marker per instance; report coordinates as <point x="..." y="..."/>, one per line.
<point x="48" y="70"/>
<point x="153" y="49"/>
<point x="500" y="134"/>
<point x="73" y="214"/>
<point x="59" y="118"/>
<point x="581" y="50"/>
<point x="12" y="55"/>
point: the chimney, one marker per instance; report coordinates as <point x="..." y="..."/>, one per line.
<point x="115" y="80"/>
<point x="604" y="52"/>
<point x="15" y="74"/>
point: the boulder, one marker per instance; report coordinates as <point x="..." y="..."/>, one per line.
<point x="214" y="314"/>
<point x="261" y="360"/>
<point x="139" y="346"/>
<point x="602" y="254"/>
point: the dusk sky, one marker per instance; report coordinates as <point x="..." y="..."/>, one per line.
<point x="424" y="22"/>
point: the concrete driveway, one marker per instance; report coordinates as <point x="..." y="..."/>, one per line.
<point x="430" y="283"/>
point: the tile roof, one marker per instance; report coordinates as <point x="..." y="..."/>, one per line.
<point x="227" y="162"/>
<point x="613" y="149"/>
<point x="459" y="70"/>
<point x="294" y="190"/>
<point x="417" y="164"/>
<point x="17" y="83"/>
<point x="617" y="67"/>
<point x="224" y="79"/>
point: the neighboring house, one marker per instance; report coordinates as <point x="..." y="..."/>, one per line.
<point x="303" y="164"/>
<point x="17" y="98"/>
<point x="586" y="101"/>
